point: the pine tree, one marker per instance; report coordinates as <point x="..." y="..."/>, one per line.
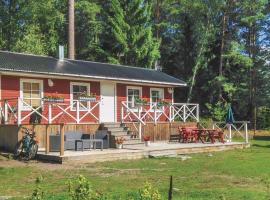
<point x="129" y="37"/>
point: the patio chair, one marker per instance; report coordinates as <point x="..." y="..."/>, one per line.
<point x="216" y="134"/>
<point x="189" y="135"/>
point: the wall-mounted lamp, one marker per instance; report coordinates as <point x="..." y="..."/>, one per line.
<point x="50" y="82"/>
<point x="170" y="90"/>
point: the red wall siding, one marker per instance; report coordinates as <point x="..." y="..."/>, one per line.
<point x="11" y="86"/>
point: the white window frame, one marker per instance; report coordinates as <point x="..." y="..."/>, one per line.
<point x="72" y="108"/>
<point x="135" y="88"/>
<point x="161" y="90"/>
<point x="23" y="80"/>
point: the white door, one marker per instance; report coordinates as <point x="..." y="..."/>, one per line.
<point x="108" y="99"/>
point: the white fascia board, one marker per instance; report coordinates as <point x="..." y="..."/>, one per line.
<point x="60" y="76"/>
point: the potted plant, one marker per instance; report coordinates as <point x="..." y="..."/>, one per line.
<point x="119" y="141"/>
<point x="86" y="97"/>
<point x="54" y="99"/>
<point x="146" y="139"/>
<point x="161" y="103"/>
<point x="139" y="102"/>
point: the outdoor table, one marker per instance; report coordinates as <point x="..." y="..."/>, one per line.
<point x="203" y="133"/>
<point x="76" y="144"/>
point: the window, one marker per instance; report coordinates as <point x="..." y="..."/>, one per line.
<point x="76" y="90"/>
<point x="31" y="92"/>
<point x="156" y="95"/>
<point x="133" y="93"/>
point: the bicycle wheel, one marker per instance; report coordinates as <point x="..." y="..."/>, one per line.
<point x="18" y="150"/>
<point x="33" y="151"/>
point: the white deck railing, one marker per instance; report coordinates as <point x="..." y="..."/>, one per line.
<point x="153" y="113"/>
<point x="17" y="110"/>
<point x="239" y="128"/>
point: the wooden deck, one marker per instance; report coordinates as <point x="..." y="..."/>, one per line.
<point x="138" y="151"/>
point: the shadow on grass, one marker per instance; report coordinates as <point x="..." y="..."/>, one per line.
<point x="262" y="146"/>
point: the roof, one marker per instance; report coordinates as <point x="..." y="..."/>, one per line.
<point x="17" y="62"/>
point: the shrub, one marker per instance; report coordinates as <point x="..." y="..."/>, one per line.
<point x="149" y="193"/>
<point x="38" y="193"/>
<point x="80" y="189"/>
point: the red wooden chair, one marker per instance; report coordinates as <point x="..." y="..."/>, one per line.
<point x="189" y="135"/>
<point x="216" y="134"/>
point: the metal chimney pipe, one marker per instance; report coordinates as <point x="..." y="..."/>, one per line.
<point x="61" y="53"/>
<point x="71" y="30"/>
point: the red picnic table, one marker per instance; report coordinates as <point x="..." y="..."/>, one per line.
<point x="212" y="134"/>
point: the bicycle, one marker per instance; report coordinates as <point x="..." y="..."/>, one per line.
<point x="27" y="147"/>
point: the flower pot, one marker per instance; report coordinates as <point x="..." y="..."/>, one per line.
<point x="87" y="98"/>
<point x="54" y="100"/>
<point x="147" y="143"/>
<point x="119" y="146"/>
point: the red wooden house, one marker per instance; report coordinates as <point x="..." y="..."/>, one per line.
<point x="75" y="91"/>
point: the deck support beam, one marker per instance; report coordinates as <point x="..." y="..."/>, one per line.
<point x="62" y="138"/>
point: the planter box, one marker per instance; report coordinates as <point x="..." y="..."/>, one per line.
<point x="119" y="146"/>
<point x="54" y="100"/>
<point x="87" y="99"/>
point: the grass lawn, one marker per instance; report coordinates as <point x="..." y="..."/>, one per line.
<point x="238" y="174"/>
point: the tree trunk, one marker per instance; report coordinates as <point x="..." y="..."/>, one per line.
<point x="157" y="18"/>
<point x="71" y="30"/>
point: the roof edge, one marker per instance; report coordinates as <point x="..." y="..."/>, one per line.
<point x="96" y="77"/>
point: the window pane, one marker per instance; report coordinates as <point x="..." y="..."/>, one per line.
<point x="26" y="86"/>
<point x="35" y="94"/>
<point x="31" y="94"/>
<point x="27" y="94"/>
<point x="35" y="86"/>
<point x="35" y="102"/>
<point x="83" y="89"/>
<point x="78" y="90"/>
<point x="136" y="92"/>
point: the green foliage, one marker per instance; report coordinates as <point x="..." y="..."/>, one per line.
<point x="80" y="189"/>
<point x="218" y="110"/>
<point x="129" y="34"/>
<point x="149" y="193"/>
<point x="38" y="193"/>
<point x="184" y="37"/>
<point x="264" y="117"/>
<point x="31" y="42"/>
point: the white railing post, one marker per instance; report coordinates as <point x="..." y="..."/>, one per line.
<point x="19" y="111"/>
<point x="155" y="114"/>
<point x="50" y="113"/>
<point x="230" y="132"/>
<point x="6" y="111"/>
<point x="170" y="114"/>
<point x="184" y="112"/>
<point x="140" y="130"/>
<point x="198" y="112"/>
<point x="78" y="112"/>
<point x="122" y="113"/>
<point x="246" y="132"/>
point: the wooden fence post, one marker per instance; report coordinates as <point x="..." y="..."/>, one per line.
<point x="47" y="150"/>
<point x="170" y="189"/>
<point x="62" y="140"/>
